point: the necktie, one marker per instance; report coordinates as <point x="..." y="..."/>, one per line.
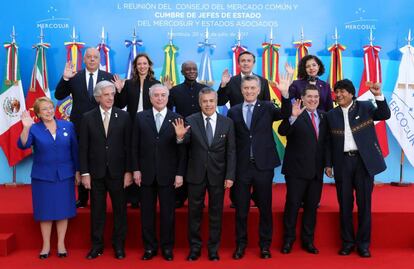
<point x="209" y="131"/>
<point x="249" y="115"/>
<point x="314" y="123"/>
<point x="106" y="122"/>
<point x="90" y="86"/>
<point x="158" y="121"/>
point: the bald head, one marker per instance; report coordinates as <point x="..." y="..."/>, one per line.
<point x="189" y="70"/>
<point x="91" y="59"/>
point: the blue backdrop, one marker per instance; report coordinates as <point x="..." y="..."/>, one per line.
<point x="188" y="20"/>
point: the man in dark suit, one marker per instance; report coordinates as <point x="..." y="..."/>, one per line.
<point x="230" y="91"/>
<point x="104" y="150"/>
<point x="303" y="166"/>
<point x="256" y="159"/>
<point x="158" y="163"/>
<point x="230" y="87"/>
<point x="356" y="158"/>
<point x="80" y="86"/>
<point x="184" y="98"/>
<point x="211" y="166"/>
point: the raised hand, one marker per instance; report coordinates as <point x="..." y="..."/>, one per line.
<point x="180" y="129"/>
<point x="283" y="84"/>
<point x="167" y="82"/>
<point x="296" y="109"/>
<point x="289" y="69"/>
<point x="69" y="71"/>
<point x="27" y="121"/>
<point x="118" y="82"/>
<point x="225" y="78"/>
<point x="375" y="88"/>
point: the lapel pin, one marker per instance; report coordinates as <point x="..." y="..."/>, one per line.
<point x="65" y="134"/>
<point x="116" y="115"/>
<point x="357" y="117"/>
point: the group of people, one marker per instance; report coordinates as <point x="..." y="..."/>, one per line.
<point x="171" y="143"/>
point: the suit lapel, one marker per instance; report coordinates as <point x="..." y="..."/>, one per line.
<point x="308" y="121"/>
<point x="219" y="129"/>
<point x="257" y="114"/>
<point x="166" y="122"/>
<point x="99" y="121"/>
<point x="151" y="120"/>
<point x="82" y="77"/>
<point x="112" y="121"/>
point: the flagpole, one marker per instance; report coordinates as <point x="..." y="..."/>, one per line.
<point x="401" y="183"/>
<point x="14" y="182"/>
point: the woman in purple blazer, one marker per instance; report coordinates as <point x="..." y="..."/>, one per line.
<point x="55" y="168"/>
<point x="310" y="67"/>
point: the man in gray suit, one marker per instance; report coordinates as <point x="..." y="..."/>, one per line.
<point x="211" y="166"/>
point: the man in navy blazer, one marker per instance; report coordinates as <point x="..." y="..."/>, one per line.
<point x="159" y="164"/>
<point x="105" y="160"/>
<point x="211" y="166"/>
<point x="77" y="85"/>
<point x="356" y="158"/>
<point x="256" y="159"/>
<point x="303" y="166"/>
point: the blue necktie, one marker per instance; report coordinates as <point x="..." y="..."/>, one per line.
<point x="90" y="86"/>
<point x="209" y="131"/>
<point x="249" y="114"/>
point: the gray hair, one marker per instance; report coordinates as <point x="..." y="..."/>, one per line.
<point x="206" y="90"/>
<point x="250" y="78"/>
<point x="97" y="91"/>
<point x="156" y="86"/>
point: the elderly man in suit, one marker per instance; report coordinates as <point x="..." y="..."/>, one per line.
<point x="356" y="157"/>
<point x="303" y="166"/>
<point x="104" y="149"/>
<point x="211" y="166"/>
<point x="158" y="163"/>
<point x="256" y="159"/>
<point x="80" y="86"/>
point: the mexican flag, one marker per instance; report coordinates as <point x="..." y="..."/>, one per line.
<point x="11" y="107"/>
<point x="39" y="85"/>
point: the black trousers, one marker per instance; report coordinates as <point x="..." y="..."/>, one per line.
<point x="261" y="182"/>
<point x="166" y="197"/>
<point x="196" y="194"/>
<point x="99" y="189"/>
<point x="181" y="193"/>
<point x="354" y="177"/>
<point x="309" y="191"/>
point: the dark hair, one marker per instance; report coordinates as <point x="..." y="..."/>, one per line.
<point x="248" y="53"/>
<point x="135" y="74"/>
<point x="302" y="66"/>
<point x="345" y="84"/>
<point x="310" y="87"/>
<point x="206" y="90"/>
<point x="250" y="78"/>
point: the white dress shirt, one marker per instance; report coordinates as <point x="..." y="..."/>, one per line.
<point x="163" y="113"/>
<point x="349" y="142"/>
<point x="213" y="121"/>
<point x="95" y="77"/>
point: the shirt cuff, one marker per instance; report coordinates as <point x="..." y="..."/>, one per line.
<point x="292" y="119"/>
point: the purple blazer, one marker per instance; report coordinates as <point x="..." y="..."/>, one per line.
<point x="325" y="101"/>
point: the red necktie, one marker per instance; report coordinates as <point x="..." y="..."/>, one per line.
<point x="314" y="124"/>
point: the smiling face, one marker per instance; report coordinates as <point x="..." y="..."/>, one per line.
<point x="311" y="99"/>
<point x="91" y="59"/>
<point x="159" y="98"/>
<point x="142" y="66"/>
<point x="189" y="71"/>
<point x="106" y="99"/>
<point x="208" y="103"/>
<point x="312" y="68"/>
<point x="343" y="97"/>
<point x="250" y="90"/>
<point x="46" y="111"/>
<point x="246" y="62"/>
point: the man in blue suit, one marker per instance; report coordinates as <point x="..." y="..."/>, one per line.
<point x="256" y="159"/>
<point x="356" y="158"/>
<point x="80" y="86"/>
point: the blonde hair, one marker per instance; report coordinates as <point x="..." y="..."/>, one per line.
<point x="36" y="105"/>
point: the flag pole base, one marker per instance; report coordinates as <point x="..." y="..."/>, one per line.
<point x="13" y="184"/>
<point x="401" y="184"/>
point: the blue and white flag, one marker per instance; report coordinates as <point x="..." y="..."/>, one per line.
<point x="133" y="46"/>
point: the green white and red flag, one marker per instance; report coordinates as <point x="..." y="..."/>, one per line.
<point x="12" y="104"/>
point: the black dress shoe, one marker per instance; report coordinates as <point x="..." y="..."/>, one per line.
<point x="81" y="204"/>
<point x="265" y="253"/>
<point x="310" y="248"/>
<point x="194" y="255"/>
<point x="149" y="254"/>
<point x="346" y="250"/>
<point x="44" y="256"/>
<point x="364" y="253"/>
<point x="213" y="256"/>
<point x="286" y="248"/>
<point x="167" y="254"/>
<point x="238" y="253"/>
<point x="62" y="254"/>
<point x="94" y="253"/>
<point x="119" y="254"/>
<point x="179" y="204"/>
